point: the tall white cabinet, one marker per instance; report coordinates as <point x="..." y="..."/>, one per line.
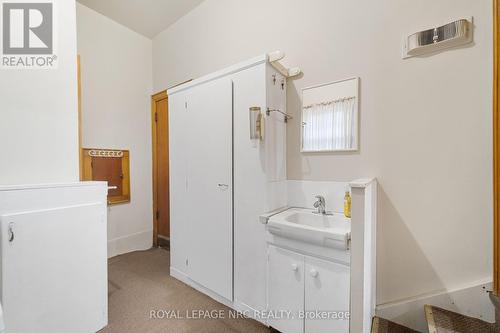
<point x="221" y="180"/>
<point x="201" y="185"/>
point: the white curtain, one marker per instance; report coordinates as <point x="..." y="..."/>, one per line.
<point x="329" y="125"/>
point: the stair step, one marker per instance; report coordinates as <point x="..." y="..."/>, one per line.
<point x="444" y="321"/>
<point x="381" y="325"/>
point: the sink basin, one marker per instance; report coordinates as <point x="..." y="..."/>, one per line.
<point x="303" y="224"/>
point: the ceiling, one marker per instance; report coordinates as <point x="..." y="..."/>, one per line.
<point x="147" y="17"/>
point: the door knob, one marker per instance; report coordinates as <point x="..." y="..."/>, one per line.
<point x="295" y="267"/>
<point x="314" y="273"/>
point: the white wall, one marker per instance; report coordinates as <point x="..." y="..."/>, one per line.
<point x="116" y="106"/>
<point x="38" y="114"/>
<point x="425" y="122"/>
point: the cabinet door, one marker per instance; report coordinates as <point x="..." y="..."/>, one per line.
<point x="52" y="281"/>
<point x="326" y="294"/>
<point x="286" y="289"/>
<point x="179" y="210"/>
<point x="209" y="186"/>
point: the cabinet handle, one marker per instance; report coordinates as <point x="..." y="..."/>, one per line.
<point x="314" y="273"/>
<point x="11" y="232"/>
<point x="295" y="267"/>
<point x="223" y="187"/>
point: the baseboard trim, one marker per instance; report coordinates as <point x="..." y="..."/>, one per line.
<point x="236" y="305"/>
<point x="175" y="273"/>
<point x="472" y="301"/>
<point x="135" y="242"/>
<point x="249" y="312"/>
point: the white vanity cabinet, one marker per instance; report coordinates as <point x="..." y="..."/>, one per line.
<point x="327" y="291"/>
<point x="306" y="294"/>
<point x="286" y="289"/>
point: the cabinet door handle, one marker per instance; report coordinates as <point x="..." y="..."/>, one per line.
<point x="223" y="187"/>
<point x="295" y="267"/>
<point x="314" y="273"/>
<point x="11" y="232"/>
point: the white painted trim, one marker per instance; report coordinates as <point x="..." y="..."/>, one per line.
<point x="331" y="82"/>
<point x="363" y="255"/>
<point x="362" y="182"/>
<point x="185" y="279"/>
<point x="236" y="305"/>
<point x="224" y="72"/>
<point x="470" y="300"/>
<point x="139" y="241"/>
<point x="248" y="311"/>
<point x="54" y="185"/>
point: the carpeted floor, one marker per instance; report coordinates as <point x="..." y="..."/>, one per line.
<point x="139" y="283"/>
<point x="444" y="321"/>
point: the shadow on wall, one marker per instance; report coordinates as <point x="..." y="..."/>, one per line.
<point x="406" y="277"/>
<point x="293" y="107"/>
<point x="396" y="247"/>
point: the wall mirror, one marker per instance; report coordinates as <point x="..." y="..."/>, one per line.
<point x="330" y="117"/>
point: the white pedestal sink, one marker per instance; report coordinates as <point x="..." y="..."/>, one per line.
<point x="333" y="230"/>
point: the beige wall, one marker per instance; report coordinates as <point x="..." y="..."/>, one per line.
<point x="116" y="90"/>
<point x="38" y="114"/>
<point x="425" y="122"/>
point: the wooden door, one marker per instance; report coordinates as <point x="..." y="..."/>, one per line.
<point x="285" y="289"/>
<point x="110" y="170"/>
<point x="209" y="185"/>
<point x="161" y="203"/>
<point x="496" y="147"/>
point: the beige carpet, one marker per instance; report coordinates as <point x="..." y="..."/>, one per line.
<point x="139" y="283"/>
<point x="381" y="325"/>
<point x="444" y="321"/>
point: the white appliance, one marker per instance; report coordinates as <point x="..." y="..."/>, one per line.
<point x="223" y="176"/>
<point x="54" y="258"/>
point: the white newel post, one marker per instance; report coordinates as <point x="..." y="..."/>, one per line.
<point x="363" y="254"/>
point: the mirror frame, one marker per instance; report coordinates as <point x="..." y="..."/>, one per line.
<point x="356" y="119"/>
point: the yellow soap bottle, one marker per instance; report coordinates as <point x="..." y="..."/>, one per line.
<point x="347" y="204"/>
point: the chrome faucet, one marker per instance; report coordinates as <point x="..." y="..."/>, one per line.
<point x="320" y="204"/>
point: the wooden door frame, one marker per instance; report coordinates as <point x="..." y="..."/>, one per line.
<point x="154" y="99"/>
<point x="496" y="147"/>
<point x="79" y="93"/>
